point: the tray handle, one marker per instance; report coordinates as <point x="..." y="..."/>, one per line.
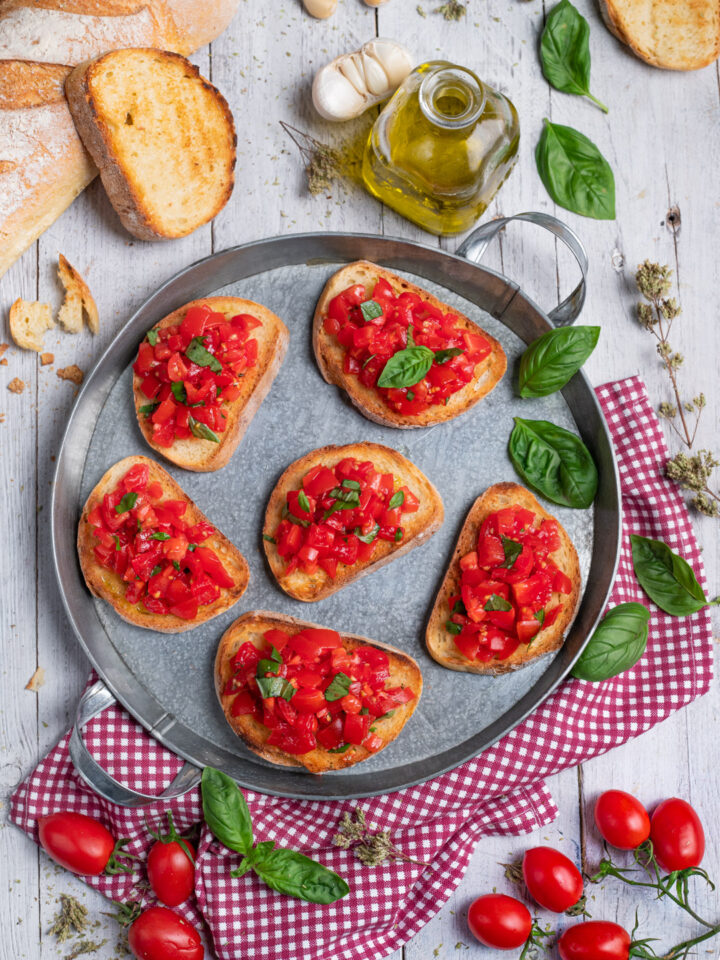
<point x="96" y="699"/>
<point x="475" y="245"/>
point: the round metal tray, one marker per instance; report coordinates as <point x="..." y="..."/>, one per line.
<point x="166" y="681"/>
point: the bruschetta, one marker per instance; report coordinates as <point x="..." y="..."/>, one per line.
<point x="511" y="590"/>
<point x="301" y="695"/>
<point x="148" y="551"/>
<point x="200" y="376"/>
<point x="404" y="358"/>
<point x="341" y="512"/>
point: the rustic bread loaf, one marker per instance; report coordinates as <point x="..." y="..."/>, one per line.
<point x="674" y="34"/>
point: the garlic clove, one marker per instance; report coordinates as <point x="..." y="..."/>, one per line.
<point x="376" y="79"/>
<point x="375" y="3"/>
<point x="320" y="9"/>
<point x="395" y="59"/>
<point x="335" y="98"/>
<point x="351" y="67"/>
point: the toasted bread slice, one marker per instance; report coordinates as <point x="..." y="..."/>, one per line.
<point x="329" y="353"/>
<point x="672" y="34"/>
<point x="107" y="585"/>
<point x="250" y="627"/>
<point x="162" y="137"/>
<point x="418" y="526"/>
<point x="440" y="642"/>
<point x="195" y="453"/>
<point x="28" y="322"/>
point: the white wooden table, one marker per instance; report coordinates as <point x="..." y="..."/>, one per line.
<point x="662" y="139"/>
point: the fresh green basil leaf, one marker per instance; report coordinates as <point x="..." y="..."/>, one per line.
<point x="127" y="502"/>
<point x="303" y="502"/>
<point x="385" y="716"/>
<point x="410" y="336"/>
<point x="459" y="607"/>
<point x="367" y="537"/>
<point x="160" y="535"/>
<point x="554" y="462"/>
<point x="178" y="391"/>
<point x="269" y="539"/>
<point x="339" y="687"/>
<point x="551" y="360"/>
<point x="512" y="550"/>
<point x="116" y="538"/>
<point x="149" y="408"/>
<point x="295" y="874"/>
<point x="540" y="616"/>
<point x="406" y="367"/>
<point x="225" y="810"/>
<point x="453" y="628"/>
<point x="152" y="337"/>
<point x="202" y="430"/>
<point x="666" y="578"/>
<point x="343" y="748"/>
<point x="398" y="535"/>
<point x="298" y="522"/>
<point x="275" y="687"/>
<point x="267" y="666"/>
<point x="575" y="173"/>
<point x="176" y="564"/>
<point x="616" y="645"/>
<point x="351" y="485"/>
<point x="155" y="570"/>
<point x="370" y="309"/>
<point x="366" y="362"/>
<point x="275" y="655"/>
<point x="442" y="356"/>
<point x="345" y="495"/>
<point x="196" y="352"/>
<point x="396" y="500"/>
<point x="565" y="52"/>
<point x="410" y="395"/>
<point x="497" y="603"/>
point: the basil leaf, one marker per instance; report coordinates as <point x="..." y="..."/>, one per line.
<point x="225" y="810"/>
<point x="616" y="645"/>
<point x="178" y="391"/>
<point x="453" y="628"/>
<point x="565" y="52"/>
<point x="266" y="666"/>
<point x="341" y="749"/>
<point x="551" y="360"/>
<point x="149" y="408"/>
<point x="196" y="352"/>
<point x="666" y="578"/>
<point x="275" y="655"/>
<point x="155" y="571"/>
<point x="410" y="395"/>
<point x="347" y="496"/>
<point x="160" y="535"/>
<point x="554" y="461"/>
<point x="366" y="362"/>
<point x="202" y="430"/>
<point x="339" y="687"/>
<point x="367" y="537"/>
<point x="127" y="502"/>
<point x="351" y="485"/>
<point x="301" y="523"/>
<point x="494" y="602"/>
<point x="575" y="173"/>
<point x="442" y="356"/>
<point x="459" y="607"/>
<point x="406" y="367"/>
<point x="396" y="500"/>
<point x="152" y="337"/>
<point x="398" y="535"/>
<point x="116" y="538"/>
<point x="298" y="876"/>
<point x="540" y="616"/>
<point x="370" y="309"/>
<point x="275" y="687"/>
<point x="512" y="550"/>
<point x="303" y="502"/>
<point x="269" y="538"/>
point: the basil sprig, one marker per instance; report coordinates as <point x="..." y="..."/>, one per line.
<point x="202" y="430"/>
<point x="197" y="352"/>
<point x="551" y="360"/>
<point x="616" y="645"/>
<point x="287" y="871"/>
<point x="575" y="173"/>
<point x="554" y="461"/>
<point x="127" y="502"/>
<point x="565" y="52"/>
<point x="666" y="578"/>
<point x="339" y="687"/>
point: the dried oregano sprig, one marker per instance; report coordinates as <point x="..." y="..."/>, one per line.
<point x="71" y="920"/>
<point x="690" y="472"/>
<point x="370" y="848"/>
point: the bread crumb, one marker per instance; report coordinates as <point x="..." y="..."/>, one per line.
<point x="2" y="418"/>
<point x="16" y="385"/>
<point x="73" y="373"/>
<point x="3" y="348"/>
<point x="36" y="681"/>
<point x="28" y="322"/>
<point x="77" y="299"/>
<point x="46" y="358"/>
<point x="3" y="362"/>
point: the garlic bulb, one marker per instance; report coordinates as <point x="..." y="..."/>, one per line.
<point x="350" y="84"/>
<point x="320" y="9"/>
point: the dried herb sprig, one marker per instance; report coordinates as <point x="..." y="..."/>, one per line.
<point x="85" y="946"/>
<point x="322" y="163"/>
<point x="370" y="848"/>
<point x="452" y="10"/>
<point x="71" y="920"/>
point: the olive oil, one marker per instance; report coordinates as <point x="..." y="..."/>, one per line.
<point x="442" y="148"/>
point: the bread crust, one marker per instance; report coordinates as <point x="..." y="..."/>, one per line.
<point x="440" y="643"/>
<point x="404" y="671"/>
<point x="329" y="353"/>
<point x="200" y="455"/>
<point x="109" y="586"/>
<point x="690" y="40"/>
<point x="418" y="526"/>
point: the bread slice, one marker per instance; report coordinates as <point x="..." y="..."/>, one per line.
<point x="28" y="322"/>
<point x="107" y="585"/>
<point x="330" y="354"/>
<point x="161" y="135"/>
<point x="200" y="455"/>
<point x="419" y="526"/>
<point x="672" y="34"/>
<point x="250" y="627"/>
<point x="78" y="300"/>
<point x="440" y="642"/>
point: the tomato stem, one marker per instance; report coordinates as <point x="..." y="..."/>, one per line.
<point x="115" y="864"/>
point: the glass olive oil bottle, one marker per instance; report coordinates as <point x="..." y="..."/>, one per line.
<point x="441" y="148"/>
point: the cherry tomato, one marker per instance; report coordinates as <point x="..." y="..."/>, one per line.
<point x="621" y="819"/>
<point x="497" y="920"/>
<point x="171" y="872"/>
<point x="76" y="842"/>
<point x="677" y="835"/>
<point x="162" y="934"/>
<point x="594" y="940"/>
<point x="552" y="879"/>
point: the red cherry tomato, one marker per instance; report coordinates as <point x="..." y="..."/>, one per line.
<point x="76" y="842"/>
<point x="552" y="879"/>
<point x="594" y="940"/>
<point x="621" y="819"/>
<point x="171" y="872"/>
<point x="162" y="934"/>
<point x="497" y="920"/>
<point x="677" y="835"/>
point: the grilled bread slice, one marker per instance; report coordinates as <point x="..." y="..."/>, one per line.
<point x="109" y="586"/>
<point x="672" y="34"/>
<point x="418" y="526"/>
<point x="162" y="137"/>
<point x="196" y="453"/>
<point x="250" y="627"/>
<point x="440" y="642"/>
<point x="329" y="353"/>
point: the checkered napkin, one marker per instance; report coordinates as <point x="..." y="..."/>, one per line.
<point x="438" y="822"/>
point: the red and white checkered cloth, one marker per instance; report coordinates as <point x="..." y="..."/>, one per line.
<point x="438" y="822"/>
